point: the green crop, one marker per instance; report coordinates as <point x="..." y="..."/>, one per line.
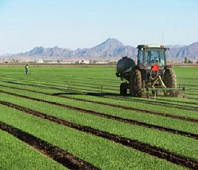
<point x="95" y="84"/>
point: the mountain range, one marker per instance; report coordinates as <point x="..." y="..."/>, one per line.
<point x="109" y="49"/>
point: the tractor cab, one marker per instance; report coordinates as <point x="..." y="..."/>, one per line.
<point x="151" y="60"/>
<point x="148" y="55"/>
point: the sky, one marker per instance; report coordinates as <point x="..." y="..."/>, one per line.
<point x="25" y="24"/>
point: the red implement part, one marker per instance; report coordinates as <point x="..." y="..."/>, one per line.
<point x="155" y="68"/>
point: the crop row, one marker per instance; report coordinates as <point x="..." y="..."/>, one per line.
<point x="143" y="147"/>
<point x="100" y="103"/>
<point x="129" y="114"/>
<point x="114" y="96"/>
<point x="54" y="152"/>
<point x="13" y="151"/>
<point x="81" y="144"/>
<point x="135" y="104"/>
<point x="132" y="131"/>
<point x="160" y="128"/>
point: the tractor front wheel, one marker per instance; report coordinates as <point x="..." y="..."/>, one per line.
<point x="135" y="83"/>
<point x="123" y="89"/>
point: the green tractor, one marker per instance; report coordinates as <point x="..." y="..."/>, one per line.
<point x="150" y="73"/>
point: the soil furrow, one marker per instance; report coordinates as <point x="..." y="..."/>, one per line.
<point x="185" y="102"/>
<point x="134" y="109"/>
<point x="81" y="84"/>
<point x="120" y="119"/>
<point x="135" y="144"/>
<point x="193" y="98"/>
<point x="160" y="103"/>
<point x="113" y="105"/>
<point x="54" y="152"/>
<point x="192" y="94"/>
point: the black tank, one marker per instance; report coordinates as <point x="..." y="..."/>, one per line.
<point x="125" y="65"/>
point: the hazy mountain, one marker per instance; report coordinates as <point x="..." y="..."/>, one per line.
<point x="191" y="51"/>
<point x="108" y="49"/>
<point x="47" y="52"/>
<point x="111" y="48"/>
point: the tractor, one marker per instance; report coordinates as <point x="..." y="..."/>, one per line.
<point x="151" y="73"/>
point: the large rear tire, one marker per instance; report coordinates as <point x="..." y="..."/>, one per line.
<point x="170" y="81"/>
<point x="135" y="83"/>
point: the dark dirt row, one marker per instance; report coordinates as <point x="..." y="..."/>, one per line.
<point x="54" y="152"/>
<point x="124" y="120"/>
<point x="135" y="144"/>
<point x="160" y="103"/>
<point x="132" y="108"/>
<point x="185" y="102"/>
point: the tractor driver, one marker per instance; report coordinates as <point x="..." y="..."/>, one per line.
<point x="151" y="58"/>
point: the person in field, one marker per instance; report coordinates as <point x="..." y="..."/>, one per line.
<point x="26" y="69"/>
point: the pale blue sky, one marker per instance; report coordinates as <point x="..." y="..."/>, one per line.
<point x="25" y="24"/>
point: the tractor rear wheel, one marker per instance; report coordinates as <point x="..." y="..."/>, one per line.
<point x="170" y="81"/>
<point x="135" y="83"/>
<point x="123" y="89"/>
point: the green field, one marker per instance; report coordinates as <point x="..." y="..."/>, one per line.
<point x="73" y="117"/>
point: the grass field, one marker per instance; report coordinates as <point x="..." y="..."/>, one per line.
<point x="74" y="118"/>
